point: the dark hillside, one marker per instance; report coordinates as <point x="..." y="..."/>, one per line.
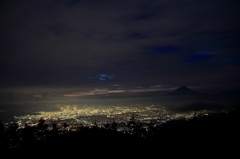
<point x="215" y="133"/>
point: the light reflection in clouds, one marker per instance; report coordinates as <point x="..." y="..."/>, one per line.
<point x="104" y="77"/>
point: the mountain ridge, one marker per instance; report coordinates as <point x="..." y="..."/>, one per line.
<point x="184" y="90"/>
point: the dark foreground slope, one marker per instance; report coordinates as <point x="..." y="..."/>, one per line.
<point x="216" y="135"/>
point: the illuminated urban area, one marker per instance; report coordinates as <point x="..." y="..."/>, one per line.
<point x="132" y="119"/>
<point x="89" y="116"/>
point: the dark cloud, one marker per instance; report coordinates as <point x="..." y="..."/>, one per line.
<point x="147" y="42"/>
<point x="199" y="57"/>
<point x="163" y="49"/>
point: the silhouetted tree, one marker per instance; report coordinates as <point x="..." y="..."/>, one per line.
<point x="28" y="135"/>
<point x="114" y="126"/>
<point x="13" y="127"/>
<point x="45" y="126"/>
<point x="3" y="141"/>
<point x="2" y="127"/>
<point x="65" y="125"/>
<point x="80" y="127"/>
<point x="41" y="123"/>
<point x="132" y="121"/>
<point x="132" y="124"/>
<point x="13" y="136"/>
<point x="54" y="126"/>
<point x="106" y="125"/>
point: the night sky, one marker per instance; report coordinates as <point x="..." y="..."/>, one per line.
<point x="82" y="45"/>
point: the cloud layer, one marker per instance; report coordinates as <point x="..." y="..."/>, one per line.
<point x="148" y="42"/>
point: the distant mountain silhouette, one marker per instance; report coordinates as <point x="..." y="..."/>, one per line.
<point x="184" y="90"/>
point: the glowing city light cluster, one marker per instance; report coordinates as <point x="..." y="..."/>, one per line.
<point x="88" y="115"/>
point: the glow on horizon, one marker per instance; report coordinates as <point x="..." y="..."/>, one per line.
<point x="100" y="92"/>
